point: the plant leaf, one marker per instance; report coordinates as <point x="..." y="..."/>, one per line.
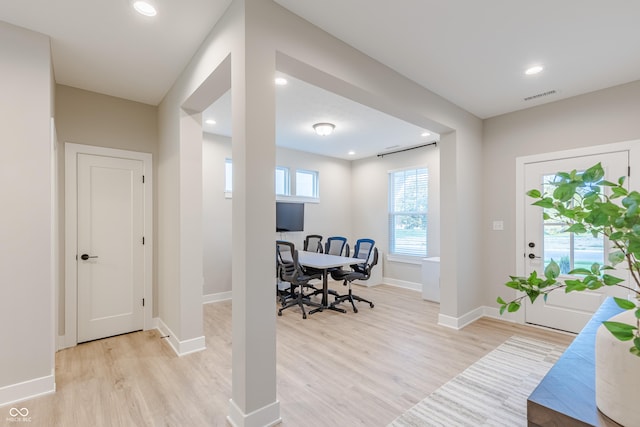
<point x="513" y="306"/>
<point x="580" y="271"/>
<point x="535" y="193"/>
<point x="624" y="303"/>
<point x="552" y="270"/>
<point x="594" y="174"/>
<point x="621" y="331"/>
<point x="577" y="228"/>
<point x="610" y="280"/>
<point x="546" y="203"/>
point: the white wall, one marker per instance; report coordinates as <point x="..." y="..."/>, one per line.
<point x="332" y="216"/>
<point x="602" y="117"/>
<point x="216" y="224"/>
<point x="371" y="206"/>
<point x="26" y="218"/>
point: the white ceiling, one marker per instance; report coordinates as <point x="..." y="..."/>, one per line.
<point x="299" y="105"/>
<point x="471" y="52"/>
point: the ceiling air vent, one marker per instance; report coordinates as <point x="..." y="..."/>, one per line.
<point x="539" y="95"/>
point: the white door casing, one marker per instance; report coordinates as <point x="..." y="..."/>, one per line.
<point x="107" y="213"/>
<point x="568" y="312"/>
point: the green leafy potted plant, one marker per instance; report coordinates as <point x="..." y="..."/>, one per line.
<point x="579" y="201"/>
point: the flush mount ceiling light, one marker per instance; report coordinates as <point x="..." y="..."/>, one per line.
<point x="281" y="81"/>
<point x="210" y="122"/>
<point x="426" y="133"/>
<point x="324" y="129"/>
<point x="533" y="70"/>
<point x="351" y="153"/>
<point x="144" y="8"/>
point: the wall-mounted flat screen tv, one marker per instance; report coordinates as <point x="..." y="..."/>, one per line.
<point x="289" y="216"/>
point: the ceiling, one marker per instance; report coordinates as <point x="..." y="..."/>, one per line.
<point x="470" y="52"/>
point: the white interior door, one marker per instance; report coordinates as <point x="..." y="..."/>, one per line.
<point x="545" y="241"/>
<point x="110" y="259"/>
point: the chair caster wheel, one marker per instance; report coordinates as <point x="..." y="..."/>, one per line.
<point x="371" y="305"/>
<point x="304" y="316"/>
<point x="279" y="313"/>
<point x="355" y="310"/>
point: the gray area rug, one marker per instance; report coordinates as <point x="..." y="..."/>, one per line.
<point x="491" y="392"/>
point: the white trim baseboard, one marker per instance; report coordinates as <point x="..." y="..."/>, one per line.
<point x="27" y="390"/>
<point x="462" y="321"/>
<point x="478" y="313"/>
<point x="181" y="348"/>
<point x="220" y="296"/>
<point x="402" y="284"/>
<point x="266" y="416"/>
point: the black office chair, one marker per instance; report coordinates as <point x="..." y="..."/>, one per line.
<point x="313" y="243"/>
<point x="336" y="245"/>
<point x="289" y="270"/>
<point x="363" y="250"/>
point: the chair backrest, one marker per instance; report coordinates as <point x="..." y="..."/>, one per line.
<point x="336" y="245"/>
<point x="363" y="250"/>
<point x="313" y="243"/>
<point x="287" y="259"/>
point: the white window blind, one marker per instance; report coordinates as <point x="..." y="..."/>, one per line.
<point x="408" y="205"/>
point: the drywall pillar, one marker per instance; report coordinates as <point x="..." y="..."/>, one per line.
<point x="253" y="401"/>
<point x="27" y="319"/>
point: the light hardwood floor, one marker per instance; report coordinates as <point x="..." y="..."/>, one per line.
<point x="354" y="369"/>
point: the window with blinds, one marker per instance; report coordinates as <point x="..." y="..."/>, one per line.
<point x="408" y="204"/>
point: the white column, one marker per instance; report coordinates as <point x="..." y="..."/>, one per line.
<point x="253" y="400"/>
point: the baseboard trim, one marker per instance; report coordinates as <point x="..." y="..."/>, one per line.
<point x="462" y="321"/>
<point x="402" y="284"/>
<point x="27" y="390"/>
<point x="266" y="416"/>
<point x="220" y="296"/>
<point x="181" y="348"/>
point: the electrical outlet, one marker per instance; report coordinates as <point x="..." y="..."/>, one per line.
<point x="498" y="225"/>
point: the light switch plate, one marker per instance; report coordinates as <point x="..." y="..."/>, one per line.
<point x="498" y="225"/>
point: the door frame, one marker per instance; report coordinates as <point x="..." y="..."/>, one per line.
<point x="632" y="146"/>
<point x="72" y="151"/>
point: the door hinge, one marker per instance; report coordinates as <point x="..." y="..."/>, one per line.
<point x="143" y="179"/>
<point x="143" y="240"/>
<point x="143" y="302"/>
<point x="628" y="170"/>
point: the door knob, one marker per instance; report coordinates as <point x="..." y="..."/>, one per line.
<point x="85" y="257"/>
<point x="532" y="256"/>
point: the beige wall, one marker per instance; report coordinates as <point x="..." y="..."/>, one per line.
<point x="602" y="117"/>
<point x="90" y="118"/>
<point x="26" y="225"/>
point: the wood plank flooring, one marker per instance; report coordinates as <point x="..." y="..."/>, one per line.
<point x="354" y="369"/>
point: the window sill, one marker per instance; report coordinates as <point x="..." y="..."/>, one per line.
<point x="405" y="259"/>
<point x="298" y="199"/>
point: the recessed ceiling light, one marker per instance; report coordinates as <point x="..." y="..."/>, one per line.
<point x="144" y="8"/>
<point x="351" y="153"/>
<point x="210" y="122"/>
<point x="281" y="81"/>
<point x="426" y="133"/>
<point x="533" y="70"/>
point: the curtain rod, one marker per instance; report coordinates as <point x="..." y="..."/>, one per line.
<point x="410" y="148"/>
